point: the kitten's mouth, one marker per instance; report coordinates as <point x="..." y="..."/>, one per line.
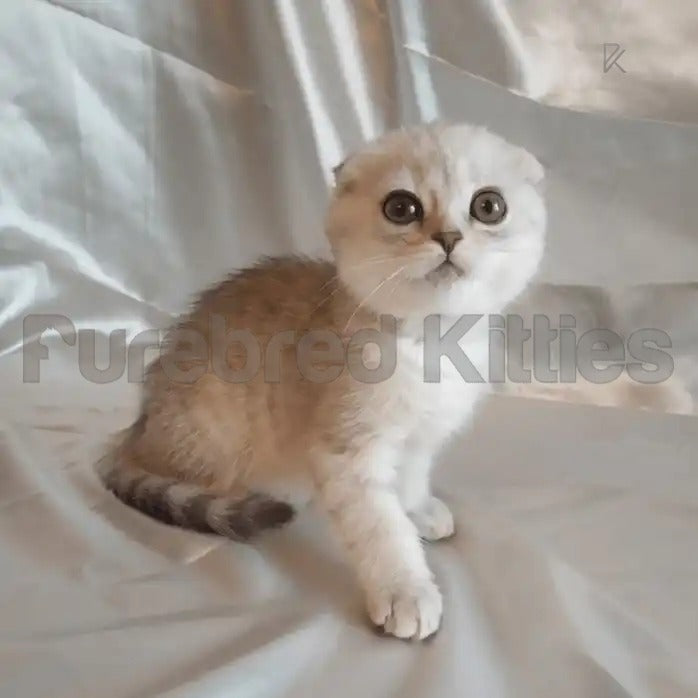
<point x="446" y="271"/>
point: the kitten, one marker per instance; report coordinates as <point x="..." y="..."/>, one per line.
<point x="437" y="220"/>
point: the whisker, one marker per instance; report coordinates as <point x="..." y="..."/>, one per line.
<point x="381" y="259"/>
<point x="363" y="263"/>
<point x="370" y="295"/>
<point x="325" y="299"/>
<point x="395" y="288"/>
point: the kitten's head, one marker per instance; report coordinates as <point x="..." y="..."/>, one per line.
<point x="437" y="219"/>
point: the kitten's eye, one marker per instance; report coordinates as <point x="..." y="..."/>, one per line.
<point x="488" y="206"/>
<point x="402" y="207"/>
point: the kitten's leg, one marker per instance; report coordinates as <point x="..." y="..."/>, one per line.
<point x="381" y="540"/>
<point x="431" y="515"/>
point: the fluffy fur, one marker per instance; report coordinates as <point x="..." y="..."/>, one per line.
<point x="228" y="457"/>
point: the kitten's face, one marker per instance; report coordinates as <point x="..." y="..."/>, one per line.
<point x="439" y="219"/>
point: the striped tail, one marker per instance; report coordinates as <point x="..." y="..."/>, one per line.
<point x="190" y="506"/>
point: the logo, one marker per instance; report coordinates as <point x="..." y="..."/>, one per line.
<point x="611" y="56"/>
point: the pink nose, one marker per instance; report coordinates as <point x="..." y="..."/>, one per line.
<point x="447" y="239"/>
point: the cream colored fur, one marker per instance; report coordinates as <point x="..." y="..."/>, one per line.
<point x="362" y="451"/>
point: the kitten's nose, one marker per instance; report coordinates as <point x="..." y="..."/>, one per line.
<point x="447" y="239"/>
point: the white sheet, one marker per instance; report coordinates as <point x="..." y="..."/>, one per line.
<point x="147" y="147"/>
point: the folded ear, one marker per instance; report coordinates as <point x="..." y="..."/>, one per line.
<point x="344" y="174"/>
<point x="337" y="169"/>
<point x="529" y="167"/>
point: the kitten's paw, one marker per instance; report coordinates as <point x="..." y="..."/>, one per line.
<point x="408" y="611"/>
<point x="434" y="520"/>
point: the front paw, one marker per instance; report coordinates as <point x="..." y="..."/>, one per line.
<point x="407" y="610"/>
<point x="433" y="520"/>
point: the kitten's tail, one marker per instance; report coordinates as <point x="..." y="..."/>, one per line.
<point x="191" y="506"/>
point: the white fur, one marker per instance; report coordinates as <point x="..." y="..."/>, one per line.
<point x="378" y="494"/>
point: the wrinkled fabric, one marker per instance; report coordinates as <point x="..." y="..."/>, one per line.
<point x="146" y="148"/>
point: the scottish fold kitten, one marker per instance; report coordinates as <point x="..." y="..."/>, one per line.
<point x="426" y="225"/>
